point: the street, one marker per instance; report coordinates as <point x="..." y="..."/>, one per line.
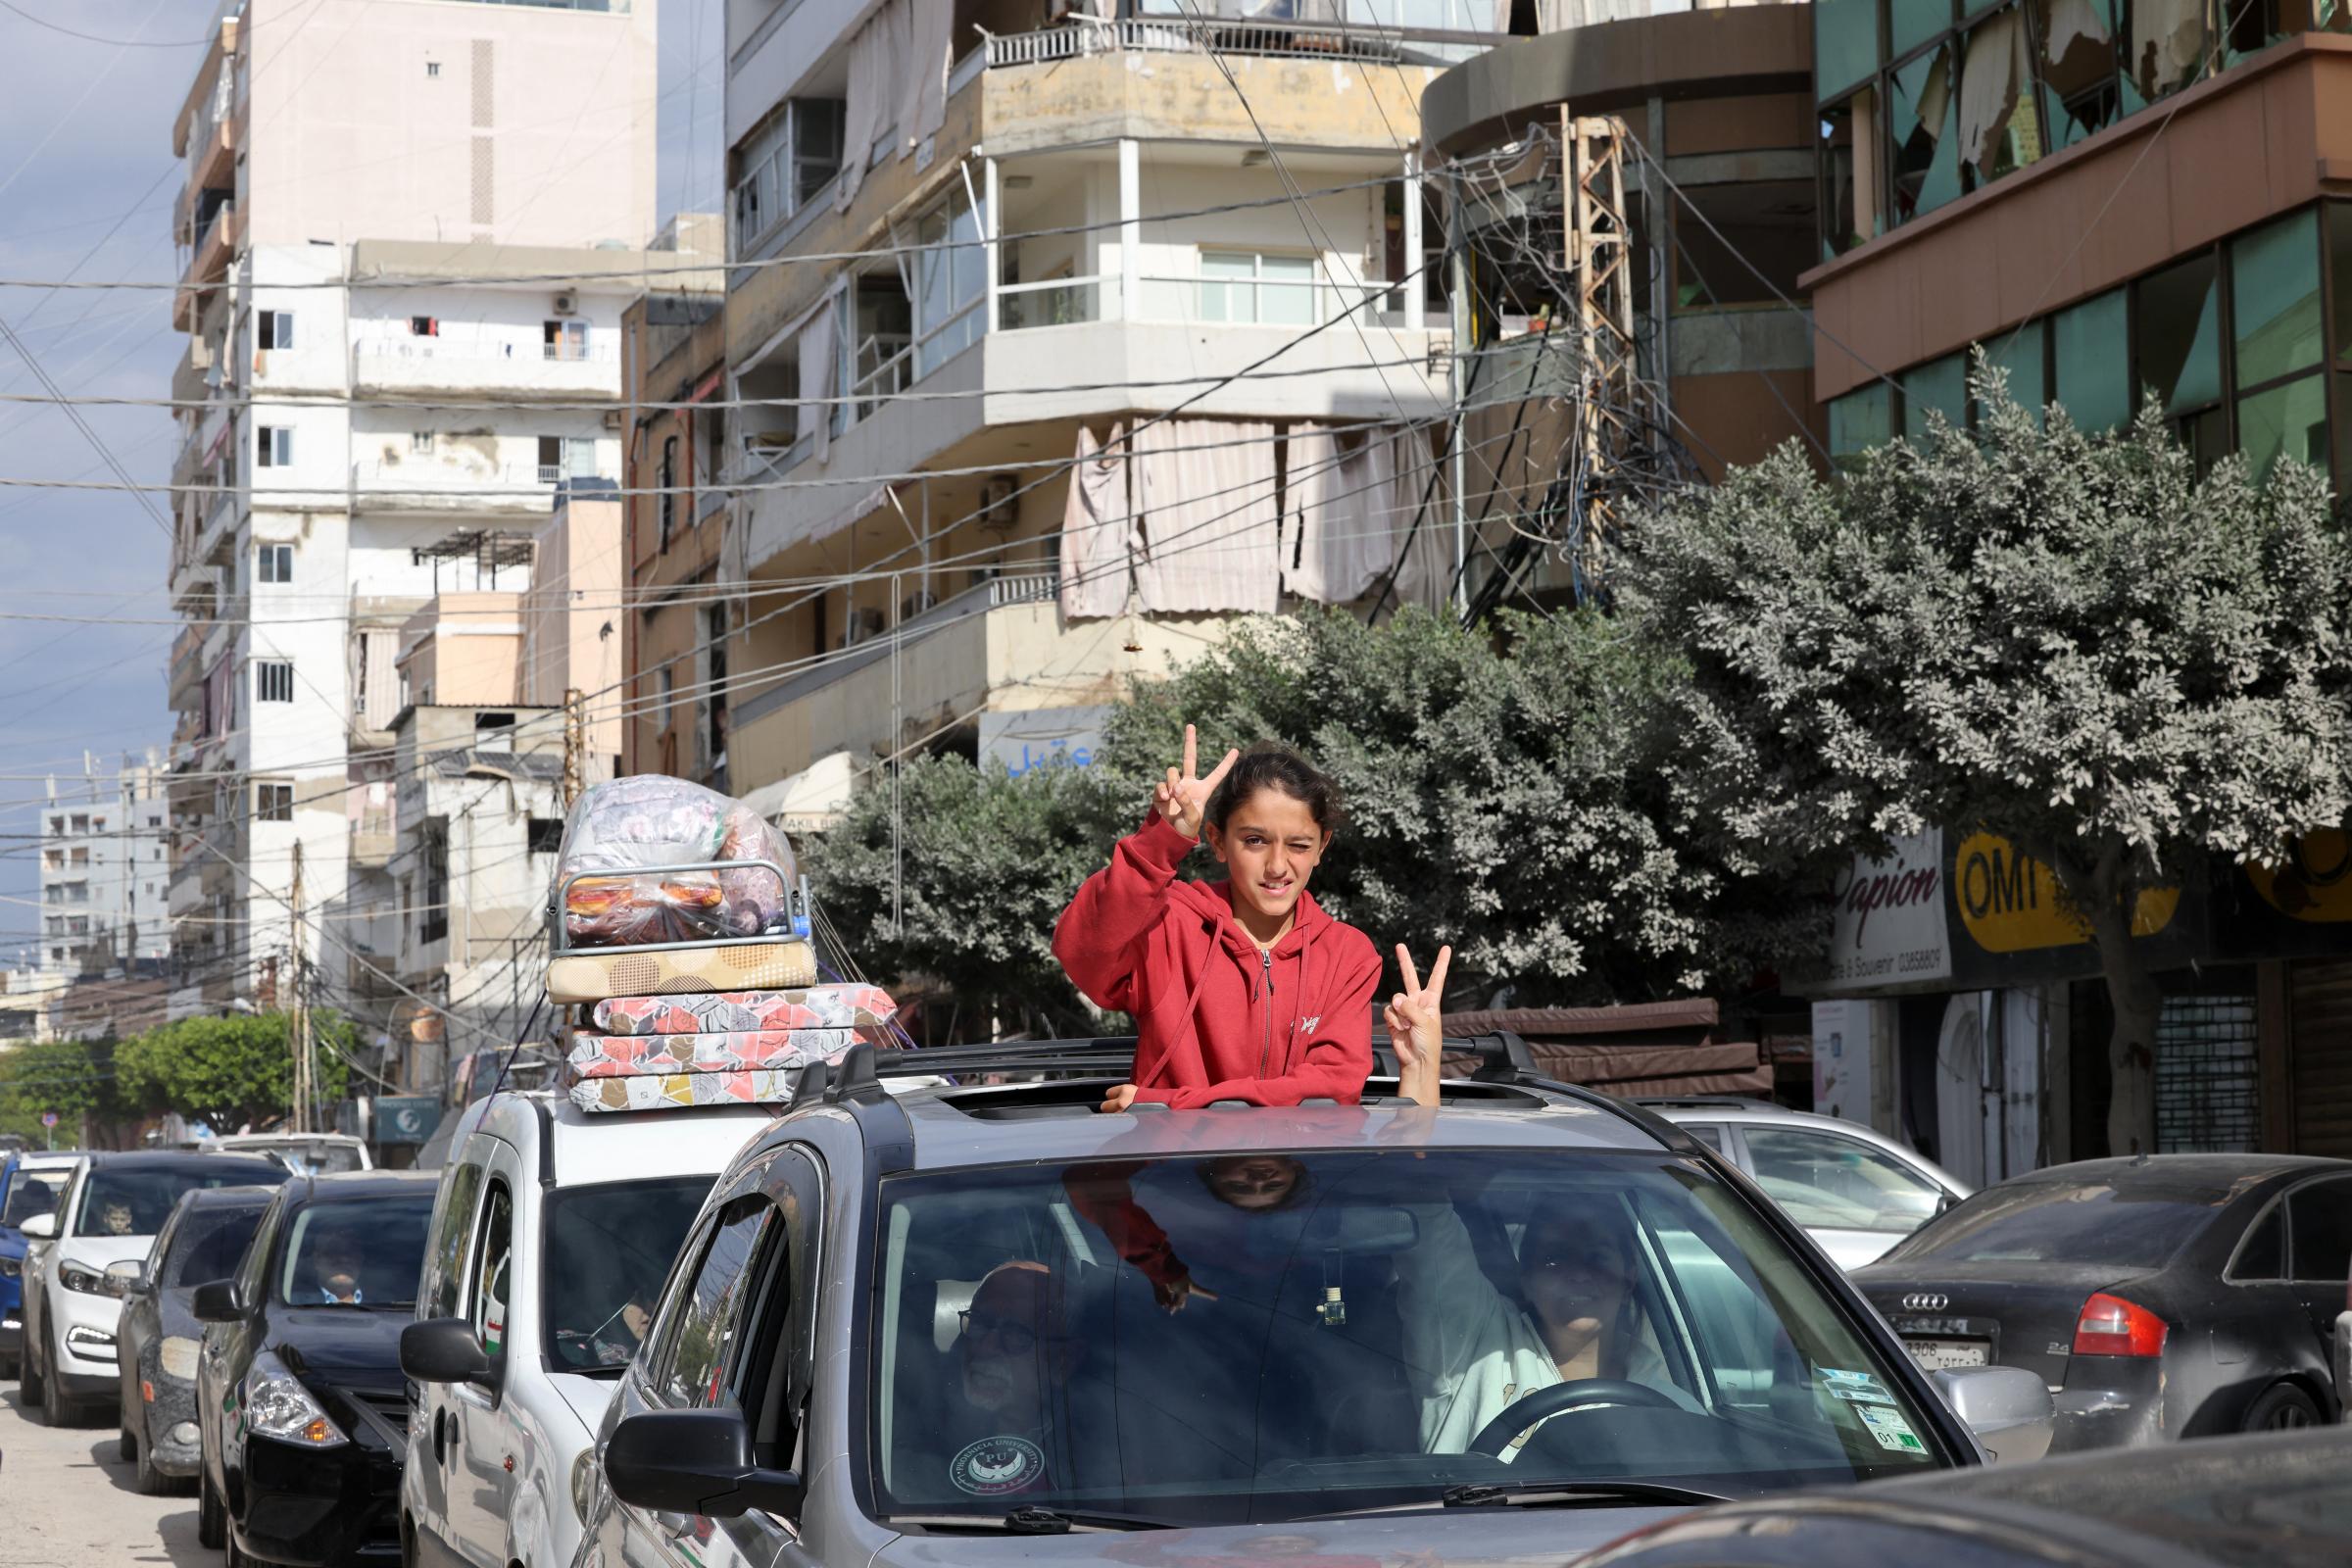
<point x="69" y="1499"/>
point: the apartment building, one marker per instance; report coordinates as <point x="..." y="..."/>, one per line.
<point x="1070" y="224"/>
<point x="105" y="866"/>
<point x="2116" y="202"/>
<point x="402" y="290"/>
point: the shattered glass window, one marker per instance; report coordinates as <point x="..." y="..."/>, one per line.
<point x="2181" y="334"/>
<point x="1999" y="130"/>
<point x="2275" y="299"/>
<point x="1845" y="43"/>
<point x="2078" y="65"/>
<point x="1912" y="22"/>
<point x="1923" y="153"/>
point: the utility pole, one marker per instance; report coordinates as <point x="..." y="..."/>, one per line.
<point x="576" y="744"/>
<point x="299" y="1017"/>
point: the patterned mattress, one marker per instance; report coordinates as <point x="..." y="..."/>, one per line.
<point x="596" y="1054"/>
<point x="597" y="976"/>
<point x="844" y="1007"/>
<point x="756" y="1087"/>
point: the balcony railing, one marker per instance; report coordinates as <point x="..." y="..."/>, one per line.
<point x="1179" y="35"/>
<point x="886" y="367"/>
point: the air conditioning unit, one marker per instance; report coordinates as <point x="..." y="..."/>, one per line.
<point x="567" y="303"/>
<point x="999" y="511"/>
<point x="612" y="418"/>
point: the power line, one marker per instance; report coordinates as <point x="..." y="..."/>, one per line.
<point x="40" y="20"/>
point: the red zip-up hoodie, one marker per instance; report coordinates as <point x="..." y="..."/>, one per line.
<point x="1217" y="1018"/>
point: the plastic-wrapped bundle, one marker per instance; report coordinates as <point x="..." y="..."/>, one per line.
<point x="619" y="831"/>
<point x="594" y="976"/>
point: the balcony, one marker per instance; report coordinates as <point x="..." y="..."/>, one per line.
<point x="508" y="489"/>
<point x="428" y="369"/>
<point x="223" y="236"/>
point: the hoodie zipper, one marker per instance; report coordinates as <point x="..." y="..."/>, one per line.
<point x="1265" y="959"/>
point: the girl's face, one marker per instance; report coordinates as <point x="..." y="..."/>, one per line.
<point x="1572" y="1275"/>
<point x="1269" y="844"/>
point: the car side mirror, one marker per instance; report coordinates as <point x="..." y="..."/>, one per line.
<point x="2007" y="1407"/>
<point x="695" y="1463"/>
<point x="443" y="1349"/>
<point x="218" y="1301"/>
<point x="39" y="1226"/>
<point x="126" y="1276"/>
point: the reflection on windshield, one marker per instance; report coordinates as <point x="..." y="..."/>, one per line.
<point x="135" y="1200"/>
<point x="210" y="1245"/>
<point x="1239" y="1338"/>
<point x="608" y="1250"/>
<point x="2070" y="1222"/>
<point x="358" y="1253"/>
<point x="30" y="1193"/>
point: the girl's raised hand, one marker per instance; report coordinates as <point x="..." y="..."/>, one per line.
<point x="1183" y="796"/>
<point x="1416" y="1021"/>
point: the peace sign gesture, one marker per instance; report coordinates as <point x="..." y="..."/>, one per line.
<point x="1182" y="797"/>
<point x="1416" y="1021"/>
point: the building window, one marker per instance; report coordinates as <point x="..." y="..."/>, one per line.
<point x="273" y="680"/>
<point x="273" y="329"/>
<point x="433" y="850"/>
<point x="420" y="443"/>
<point x="563" y="340"/>
<point x="432" y="67"/>
<point x="273" y="446"/>
<point x="544" y="835"/>
<point x="567" y="457"/>
<point x="1940" y="386"/>
<point x="273" y="802"/>
<point x="494" y="732"/>
<point x="668" y="684"/>
<point x="786" y="163"/>
<point x="1250" y="286"/>
<point x="1860" y="421"/>
<point x="666" y="506"/>
<point x="951" y="275"/>
<point x="423" y="326"/>
<point x="273" y="564"/>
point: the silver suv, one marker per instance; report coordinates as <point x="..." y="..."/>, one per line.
<point x="1855" y="1192"/>
<point x="902" y="1321"/>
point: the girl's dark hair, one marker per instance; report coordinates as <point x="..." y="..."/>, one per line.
<point x="1272" y="765"/>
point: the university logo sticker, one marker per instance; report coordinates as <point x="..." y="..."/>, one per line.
<point x="995" y="1466"/>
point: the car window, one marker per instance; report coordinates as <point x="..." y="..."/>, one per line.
<point x="779" y="1355"/>
<point x="252" y="1268"/>
<point x="136" y="1200"/>
<point x="2319" y="1227"/>
<point x="710" y="1309"/>
<point x="32" y="1191"/>
<point x="1705" y="1132"/>
<point x="355" y="1252"/>
<point x="1832" y="1183"/>
<point x="1249" y="1339"/>
<point x="2074" y="1221"/>
<point x="455" y="1223"/>
<point x="2261" y="1255"/>
<point x="208" y="1245"/>
<point x="605" y="1252"/>
<point x="486" y="1300"/>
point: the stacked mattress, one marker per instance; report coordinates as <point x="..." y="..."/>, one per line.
<point x="645" y="1052"/>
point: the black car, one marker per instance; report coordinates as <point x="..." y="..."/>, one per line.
<point x="160" y="1336"/>
<point x="303" y="1411"/>
<point x="2271" y="1501"/>
<point x="2167" y="1295"/>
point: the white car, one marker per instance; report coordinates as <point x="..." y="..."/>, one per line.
<point x="552" y="1235"/>
<point x="1855" y="1192"/>
<point x="37" y="1184"/>
<point x="95" y="1240"/>
<point x="302" y="1153"/>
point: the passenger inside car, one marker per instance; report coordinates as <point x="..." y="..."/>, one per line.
<point x="335" y="1263"/>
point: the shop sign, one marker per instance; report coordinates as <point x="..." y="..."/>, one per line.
<point x="1890" y="924"/>
<point x="2313" y="884"/>
<point x="2010" y="903"/>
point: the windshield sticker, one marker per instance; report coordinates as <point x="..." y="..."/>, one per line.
<point x="995" y="1466"/>
<point x="1860" y="1388"/>
<point x="1891" y="1429"/>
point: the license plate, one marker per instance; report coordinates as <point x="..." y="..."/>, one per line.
<point x="1941" y="1356"/>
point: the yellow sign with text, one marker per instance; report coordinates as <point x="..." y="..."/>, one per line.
<point x="2010" y="901"/>
<point x="2315" y="883"/>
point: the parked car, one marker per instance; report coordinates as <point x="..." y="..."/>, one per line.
<point x="100" y="1232"/>
<point x="303" y="1154"/>
<point x="2267" y="1501"/>
<point x="2167" y="1295"/>
<point x="156" y="1344"/>
<point x="302" y="1417"/>
<point x="553" y="1231"/>
<point x="2343" y="1355"/>
<point x="30" y="1184"/>
<point x="900" y="1320"/>
<point x="1855" y="1191"/>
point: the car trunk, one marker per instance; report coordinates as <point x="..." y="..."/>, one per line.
<point x="2007" y="1313"/>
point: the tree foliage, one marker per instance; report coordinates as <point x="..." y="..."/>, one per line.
<point x="72" y="1077"/>
<point x="2073" y="641"/>
<point x="231" y="1072"/>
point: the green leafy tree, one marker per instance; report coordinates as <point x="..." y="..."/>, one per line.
<point x="75" y="1078"/>
<point x="2072" y="642"/>
<point x="231" y="1072"/>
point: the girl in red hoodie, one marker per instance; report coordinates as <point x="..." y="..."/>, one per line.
<point x="1242" y="989"/>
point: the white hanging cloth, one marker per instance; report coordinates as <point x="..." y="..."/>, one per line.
<point x="815" y="349"/>
<point x="1339" y="530"/>
<point x="1211" y="530"/>
<point x="1097" y="531"/>
<point x="931" y="33"/>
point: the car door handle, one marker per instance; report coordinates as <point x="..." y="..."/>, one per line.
<point x="440" y="1437"/>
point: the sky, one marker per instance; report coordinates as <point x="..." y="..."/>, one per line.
<point x="87" y="181"/>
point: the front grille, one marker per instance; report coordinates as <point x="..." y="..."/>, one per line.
<point x="391" y="1408"/>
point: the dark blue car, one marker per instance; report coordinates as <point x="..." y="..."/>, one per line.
<point x="31" y="1183"/>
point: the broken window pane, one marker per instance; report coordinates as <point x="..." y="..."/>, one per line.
<point x="2339" y="265"/>
<point x="1845" y="43"/>
<point x="2275" y="299"/>
<point x="1769" y="222"/>
<point x="2207" y="437"/>
<point x="1849" y="174"/>
<point x="2092" y="372"/>
<point x="2181" y="334"/>
<point x="2253" y="27"/>
<point x="1859" y="420"/>
<point x="2018" y="352"/>
<point x="1925" y="154"/>
<point x="2167" y="46"/>
<point x="2078" y="65"/>
<point x="1912" y="22"/>
<point x="1998" y="129"/>
<point x="1939" y="385"/>
<point x="2291" y="419"/>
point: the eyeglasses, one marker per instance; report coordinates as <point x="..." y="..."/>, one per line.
<point x="1017" y="1338"/>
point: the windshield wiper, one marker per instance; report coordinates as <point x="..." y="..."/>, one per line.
<point x="1572" y="1493"/>
<point x="1030" y="1521"/>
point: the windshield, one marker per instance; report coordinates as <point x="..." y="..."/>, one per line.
<point x="2061" y="1222"/>
<point x="209" y="1244"/>
<point x="136" y="1199"/>
<point x="30" y="1193"/>
<point x="365" y="1251"/>
<point x="1257" y="1338"/>
<point x="326" y="1156"/>
<point x="608" y="1250"/>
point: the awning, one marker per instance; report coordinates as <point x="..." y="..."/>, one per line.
<point x="810" y="800"/>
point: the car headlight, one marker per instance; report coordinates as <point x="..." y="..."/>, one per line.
<point x="277" y="1405"/>
<point x="176" y="1355"/>
<point x="583" y="1483"/>
<point x="89" y="1281"/>
<point x="11" y="1268"/>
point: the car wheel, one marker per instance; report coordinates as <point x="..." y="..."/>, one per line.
<point x="55" y="1411"/>
<point x="2282" y="1407"/>
<point x="127" y="1446"/>
<point x="152" y="1481"/>
<point x="211" y="1520"/>
<point x="28" y="1378"/>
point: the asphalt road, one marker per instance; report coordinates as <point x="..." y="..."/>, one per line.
<point x="67" y="1499"/>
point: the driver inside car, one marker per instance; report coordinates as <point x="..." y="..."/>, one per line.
<point x="1014" y="1359"/>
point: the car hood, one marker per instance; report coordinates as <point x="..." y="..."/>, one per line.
<point x="97" y="1252"/>
<point x="352" y="1344"/>
<point x="586" y="1398"/>
<point x="1489" y="1537"/>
